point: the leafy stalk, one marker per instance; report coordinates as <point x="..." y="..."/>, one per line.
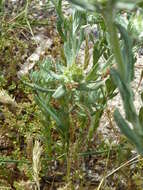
<point x="114" y="41"/>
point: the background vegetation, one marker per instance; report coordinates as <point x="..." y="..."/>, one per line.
<point x="62" y="64"/>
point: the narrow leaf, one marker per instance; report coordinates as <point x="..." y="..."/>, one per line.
<point x="87" y="56"/>
<point x="48" y="110"/>
<point x="127" y="131"/>
<point x="59" y="92"/>
<point x="126" y="94"/>
<point x="141" y="116"/>
<point x="127" y="53"/>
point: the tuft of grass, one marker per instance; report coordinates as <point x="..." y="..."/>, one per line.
<point x="37" y="151"/>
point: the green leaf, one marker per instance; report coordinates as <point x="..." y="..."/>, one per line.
<point x="72" y="34"/>
<point x="55" y="75"/>
<point x="142" y="96"/>
<point x="84" y="3"/>
<point x="48" y="110"/>
<point x="62" y="124"/>
<point x="92" y="75"/>
<point x="125" y="5"/>
<point x="141" y="116"/>
<point x="108" y="64"/>
<point x="90" y="87"/>
<point x="37" y="87"/>
<point x="60" y="92"/>
<point x="60" y="30"/>
<point x="86" y="54"/>
<point x="127" y="131"/>
<point x="127" y="97"/>
<point x="95" y="122"/>
<point x="140" y="4"/>
<point x="58" y="7"/>
<point x="96" y="53"/>
<point x="127" y="53"/>
<point x="110" y="86"/>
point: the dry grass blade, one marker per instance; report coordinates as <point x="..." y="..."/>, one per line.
<point x="117" y="169"/>
<point x="6" y="99"/>
<point x="37" y="151"/>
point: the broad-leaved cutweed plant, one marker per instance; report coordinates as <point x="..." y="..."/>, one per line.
<point x="73" y="94"/>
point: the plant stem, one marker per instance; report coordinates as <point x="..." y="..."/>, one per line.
<point x="114" y="41"/>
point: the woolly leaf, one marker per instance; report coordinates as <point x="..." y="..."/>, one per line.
<point x="60" y="91"/>
<point x="128" y="132"/>
<point x="127" y="53"/>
